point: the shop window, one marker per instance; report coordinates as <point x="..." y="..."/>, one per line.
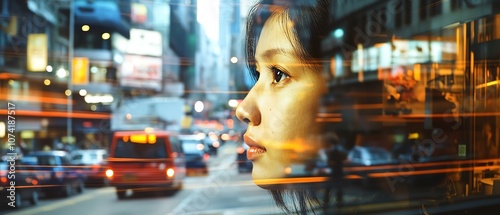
<point x="98" y="74"/>
<point x="486" y="29"/>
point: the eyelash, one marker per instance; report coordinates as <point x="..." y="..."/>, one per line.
<point x="278" y="72"/>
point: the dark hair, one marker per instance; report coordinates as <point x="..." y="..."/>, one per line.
<point x="310" y="24"/>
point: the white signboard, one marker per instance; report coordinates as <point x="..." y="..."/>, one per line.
<point x="141" y="42"/>
<point x="141" y="71"/>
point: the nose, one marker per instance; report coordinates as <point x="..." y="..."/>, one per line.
<point x="248" y="111"/>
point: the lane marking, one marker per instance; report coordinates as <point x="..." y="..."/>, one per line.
<point x="63" y="203"/>
<point x="177" y="210"/>
<point x="240" y="210"/>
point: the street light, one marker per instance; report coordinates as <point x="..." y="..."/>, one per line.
<point x="199" y="106"/>
<point x="61" y="73"/>
<point x="85" y="28"/>
<point x="70" y="69"/>
<point x="234" y="60"/>
<point x="233" y="103"/>
<point x="338" y="33"/>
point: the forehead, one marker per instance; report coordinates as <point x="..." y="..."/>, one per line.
<point x="277" y="34"/>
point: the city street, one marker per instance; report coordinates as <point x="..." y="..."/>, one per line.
<point x="223" y="191"/>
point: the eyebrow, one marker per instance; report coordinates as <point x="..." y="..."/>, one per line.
<point x="271" y="52"/>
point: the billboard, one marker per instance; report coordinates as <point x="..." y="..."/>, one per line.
<point x="80" y="70"/>
<point x="37" y="52"/>
<point x="141" y="71"/>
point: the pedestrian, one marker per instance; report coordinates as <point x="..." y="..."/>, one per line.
<point x="336" y="156"/>
<point x="283" y="50"/>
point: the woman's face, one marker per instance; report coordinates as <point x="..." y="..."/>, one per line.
<point x="282" y="106"/>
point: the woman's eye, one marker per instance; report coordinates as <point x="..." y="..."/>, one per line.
<point x="278" y="75"/>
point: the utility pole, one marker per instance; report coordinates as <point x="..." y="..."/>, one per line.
<point x="70" y="70"/>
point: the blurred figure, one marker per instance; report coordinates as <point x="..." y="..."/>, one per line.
<point x="490" y="145"/>
<point x="335" y="157"/>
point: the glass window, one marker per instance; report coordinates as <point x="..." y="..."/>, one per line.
<point x="191" y="147"/>
<point x="131" y="149"/>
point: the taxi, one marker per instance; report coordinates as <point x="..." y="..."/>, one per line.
<point x="145" y="161"/>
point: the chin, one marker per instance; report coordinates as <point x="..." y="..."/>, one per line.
<point x="267" y="177"/>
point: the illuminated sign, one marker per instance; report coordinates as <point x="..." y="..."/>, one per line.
<point x="92" y="99"/>
<point x="400" y="52"/>
<point x="141" y="71"/>
<point x="27" y="134"/>
<point x="139" y="13"/>
<point x="2" y="129"/>
<point x="80" y="70"/>
<point x="141" y="138"/>
<point x="37" y="52"/>
<point x="141" y="42"/>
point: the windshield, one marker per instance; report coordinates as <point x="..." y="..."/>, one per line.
<point x="192" y="147"/>
<point x="129" y="149"/>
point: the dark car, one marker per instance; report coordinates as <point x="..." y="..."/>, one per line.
<point x="57" y="176"/>
<point x="244" y="165"/>
<point x="195" y="154"/>
<point x="18" y="185"/>
<point x="93" y="164"/>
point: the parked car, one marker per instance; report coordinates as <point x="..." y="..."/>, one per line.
<point x="363" y="160"/>
<point x="24" y="188"/>
<point x="145" y="161"/>
<point x="93" y="163"/>
<point x="211" y="143"/>
<point x="55" y="173"/>
<point x="244" y="165"/>
<point x="196" y="156"/>
<point x="368" y="156"/>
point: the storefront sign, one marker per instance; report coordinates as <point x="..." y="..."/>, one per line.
<point x="37" y="52"/>
<point x="142" y="42"/>
<point x="141" y="71"/>
<point x="400" y="53"/>
<point x="139" y="13"/>
<point x="80" y="70"/>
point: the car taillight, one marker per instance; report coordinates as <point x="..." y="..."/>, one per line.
<point x="3" y="180"/>
<point x="109" y="173"/>
<point x="170" y="172"/>
<point x="59" y="174"/>
<point x="216" y="144"/>
<point x="206" y="157"/>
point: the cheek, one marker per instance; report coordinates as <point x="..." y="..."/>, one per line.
<point x="291" y="114"/>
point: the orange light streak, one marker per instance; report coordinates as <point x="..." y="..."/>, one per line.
<point x="290" y="180"/>
<point x="62" y="114"/>
<point x="35" y="99"/>
<point x="431" y="171"/>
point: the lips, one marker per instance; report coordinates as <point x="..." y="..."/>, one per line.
<point x="254" y="151"/>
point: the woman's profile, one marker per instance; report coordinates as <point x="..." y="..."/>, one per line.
<point x="283" y="48"/>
